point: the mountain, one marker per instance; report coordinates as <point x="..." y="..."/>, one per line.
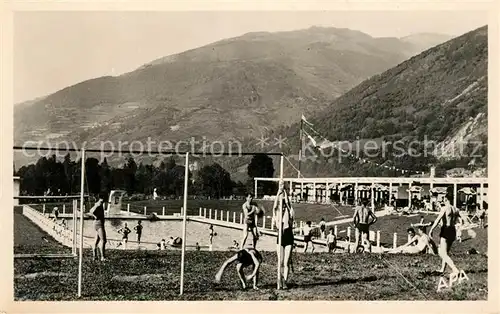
<point x="228" y="89"/>
<point x="434" y="105"/>
<point x="426" y="40"/>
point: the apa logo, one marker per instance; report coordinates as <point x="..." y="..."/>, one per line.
<point x="443" y="284"/>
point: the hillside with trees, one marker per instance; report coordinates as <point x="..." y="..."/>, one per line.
<point x="49" y="176"/>
<point x="439" y="95"/>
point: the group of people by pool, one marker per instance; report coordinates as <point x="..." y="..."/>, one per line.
<point x="245" y="257"/>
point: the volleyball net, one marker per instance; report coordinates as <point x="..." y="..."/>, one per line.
<point x="166" y="188"/>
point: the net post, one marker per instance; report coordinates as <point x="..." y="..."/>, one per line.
<point x="82" y="189"/>
<point x="255" y="188"/>
<point x="280" y="220"/>
<point x="186" y="174"/>
<point x="75" y="226"/>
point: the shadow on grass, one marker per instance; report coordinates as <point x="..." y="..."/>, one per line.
<point x="341" y="281"/>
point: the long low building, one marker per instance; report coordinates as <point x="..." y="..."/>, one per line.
<point x="320" y="190"/>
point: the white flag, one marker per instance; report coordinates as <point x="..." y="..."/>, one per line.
<point x="311" y="138"/>
<point x="304" y="119"/>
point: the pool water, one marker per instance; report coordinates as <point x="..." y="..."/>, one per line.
<point x="154" y="231"/>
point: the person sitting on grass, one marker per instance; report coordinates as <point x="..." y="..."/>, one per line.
<point x="235" y="246"/>
<point x="175" y="242"/>
<point x="162" y="245"/>
<point x="331" y="241"/>
<point x="243" y="258"/>
<point x="421" y="240"/>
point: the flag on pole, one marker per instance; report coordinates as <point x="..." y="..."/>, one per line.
<point x="304" y="119"/>
<point x="311" y="138"/>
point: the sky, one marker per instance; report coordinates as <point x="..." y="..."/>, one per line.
<point x="53" y="50"/>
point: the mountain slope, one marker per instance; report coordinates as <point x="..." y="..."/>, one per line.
<point x="439" y="95"/>
<point x="426" y="40"/>
<point x="232" y="88"/>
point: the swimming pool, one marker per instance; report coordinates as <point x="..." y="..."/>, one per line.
<point x="154" y="231"/>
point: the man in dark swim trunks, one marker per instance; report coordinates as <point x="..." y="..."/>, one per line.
<point x="287" y="237"/>
<point x="362" y="222"/>
<point x="448" y="216"/>
<point x="243" y="258"/>
<point x="322" y="228"/>
<point x="97" y="212"/>
<point x="125" y="231"/>
<point x="250" y="215"/>
<point x="138" y="230"/>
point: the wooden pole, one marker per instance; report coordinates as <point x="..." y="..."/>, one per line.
<point x="481" y="198"/>
<point x="280" y="225"/>
<point x="409" y="195"/>
<point x="356" y="192"/>
<point x="314" y="192"/>
<point x="75" y="225"/>
<point x="184" y="219"/>
<point x="255" y="188"/>
<point x="455" y="195"/>
<point x="82" y="209"/>
<point x="373" y="196"/>
<point x="300" y="149"/>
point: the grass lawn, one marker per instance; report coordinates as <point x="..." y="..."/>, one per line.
<point x="154" y="275"/>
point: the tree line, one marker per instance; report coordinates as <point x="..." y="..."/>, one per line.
<point x="49" y="176"/>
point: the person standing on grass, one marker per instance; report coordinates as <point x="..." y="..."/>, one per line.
<point x="448" y="216"/>
<point x="331" y="241"/>
<point x="322" y="228"/>
<point x="97" y="212"/>
<point x="250" y="216"/>
<point x="287" y="237"/>
<point x="308" y="237"/>
<point x="138" y="230"/>
<point x="362" y="222"/>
